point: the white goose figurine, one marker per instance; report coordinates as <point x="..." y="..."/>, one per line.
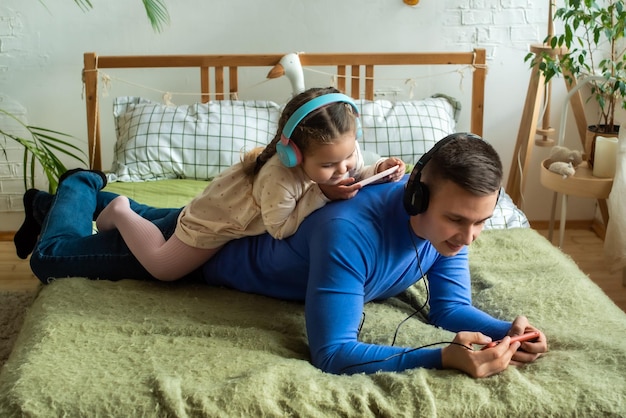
<point x="289" y="66"/>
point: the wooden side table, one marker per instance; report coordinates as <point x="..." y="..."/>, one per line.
<point x="581" y="184"/>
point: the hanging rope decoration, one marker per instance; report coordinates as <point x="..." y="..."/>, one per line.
<point x="106" y="82"/>
<point x="411" y="83"/>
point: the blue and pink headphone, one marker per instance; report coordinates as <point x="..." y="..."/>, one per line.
<point x="288" y="152"/>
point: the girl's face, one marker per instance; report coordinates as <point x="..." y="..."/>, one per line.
<point x="329" y="163"/>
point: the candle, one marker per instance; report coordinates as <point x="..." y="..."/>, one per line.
<point x="605" y="157"/>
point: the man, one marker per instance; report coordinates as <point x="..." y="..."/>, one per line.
<point x="375" y="246"/>
<point x="344" y="255"/>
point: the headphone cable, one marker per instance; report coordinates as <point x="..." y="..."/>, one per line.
<point x="426" y="302"/>
<point x="424" y="279"/>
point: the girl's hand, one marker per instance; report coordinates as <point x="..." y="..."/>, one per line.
<point x="345" y="189"/>
<point x="392" y="162"/>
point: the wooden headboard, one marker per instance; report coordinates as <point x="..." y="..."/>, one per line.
<point x="355" y="72"/>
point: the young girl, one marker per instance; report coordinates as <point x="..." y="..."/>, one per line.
<point x="313" y="159"/>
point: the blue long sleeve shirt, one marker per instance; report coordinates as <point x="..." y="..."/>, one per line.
<point x="344" y="255"/>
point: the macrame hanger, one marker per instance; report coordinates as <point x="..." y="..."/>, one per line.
<point x="167" y="99"/>
<point x="461" y="74"/>
<point x="106" y="83"/>
<point x="412" y="83"/>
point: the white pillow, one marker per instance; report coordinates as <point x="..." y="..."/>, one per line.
<point x="406" y="129"/>
<point x="197" y="141"/>
<point x="506" y="215"/>
<point x="155" y="141"/>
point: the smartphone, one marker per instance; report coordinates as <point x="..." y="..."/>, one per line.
<point x="378" y="176"/>
<point x="524" y="337"/>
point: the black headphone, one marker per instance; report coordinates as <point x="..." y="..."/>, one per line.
<point x="416" y="193"/>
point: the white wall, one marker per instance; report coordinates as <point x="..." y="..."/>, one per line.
<point x="41" y="58"/>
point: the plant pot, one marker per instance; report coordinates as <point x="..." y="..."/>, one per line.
<point x="594" y="131"/>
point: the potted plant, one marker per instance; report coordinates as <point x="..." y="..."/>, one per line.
<point x="43" y="146"/>
<point x="593" y="38"/>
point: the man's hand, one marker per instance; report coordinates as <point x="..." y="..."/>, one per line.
<point x="529" y="350"/>
<point x="477" y="363"/>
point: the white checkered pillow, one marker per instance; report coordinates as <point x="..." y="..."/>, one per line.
<point x="406" y="129"/>
<point x="506" y="215"/>
<point x="156" y="141"/>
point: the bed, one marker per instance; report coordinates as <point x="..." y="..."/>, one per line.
<point x="134" y="348"/>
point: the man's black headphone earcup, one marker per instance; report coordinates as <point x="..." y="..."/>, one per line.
<point x="416" y="198"/>
<point x="416" y="193"/>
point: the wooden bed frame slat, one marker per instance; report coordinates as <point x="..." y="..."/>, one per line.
<point x="205" y="84"/>
<point x="221" y="88"/>
<point x="219" y="81"/>
<point x="355" y="81"/>
<point x="341" y="77"/>
<point x="369" y="82"/>
<point x="233" y="80"/>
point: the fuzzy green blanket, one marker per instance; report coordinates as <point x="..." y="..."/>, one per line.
<point x="96" y="348"/>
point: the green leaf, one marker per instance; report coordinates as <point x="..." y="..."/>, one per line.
<point x="157" y="14"/>
<point x="156" y="10"/>
<point x="43" y="147"/>
<point x="593" y="33"/>
<point x="84" y="4"/>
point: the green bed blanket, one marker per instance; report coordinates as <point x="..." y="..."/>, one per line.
<point x="131" y="348"/>
<point x="174" y="193"/>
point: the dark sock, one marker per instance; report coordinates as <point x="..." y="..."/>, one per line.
<point x="41" y="209"/>
<point x="26" y="237"/>
<point x="77" y="170"/>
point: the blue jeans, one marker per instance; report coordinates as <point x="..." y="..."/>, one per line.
<point x="67" y="246"/>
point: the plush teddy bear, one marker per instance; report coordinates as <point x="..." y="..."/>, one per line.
<point x="564" y="161"/>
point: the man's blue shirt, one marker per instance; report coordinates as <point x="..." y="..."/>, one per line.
<point x="346" y="254"/>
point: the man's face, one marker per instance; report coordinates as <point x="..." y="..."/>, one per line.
<point x="454" y="218"/>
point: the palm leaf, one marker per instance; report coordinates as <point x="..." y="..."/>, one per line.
<point x="84" y="4"/>
<point x="41" y="148"/>
<point x="157" y="13"/>
<point x="156" y="10"/>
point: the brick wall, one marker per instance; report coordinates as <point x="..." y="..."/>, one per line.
<point x="11" y="153"/>
<point x="11" y="158"/>
<point x="491" y="24"/>
<point x="496" y="25"/>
